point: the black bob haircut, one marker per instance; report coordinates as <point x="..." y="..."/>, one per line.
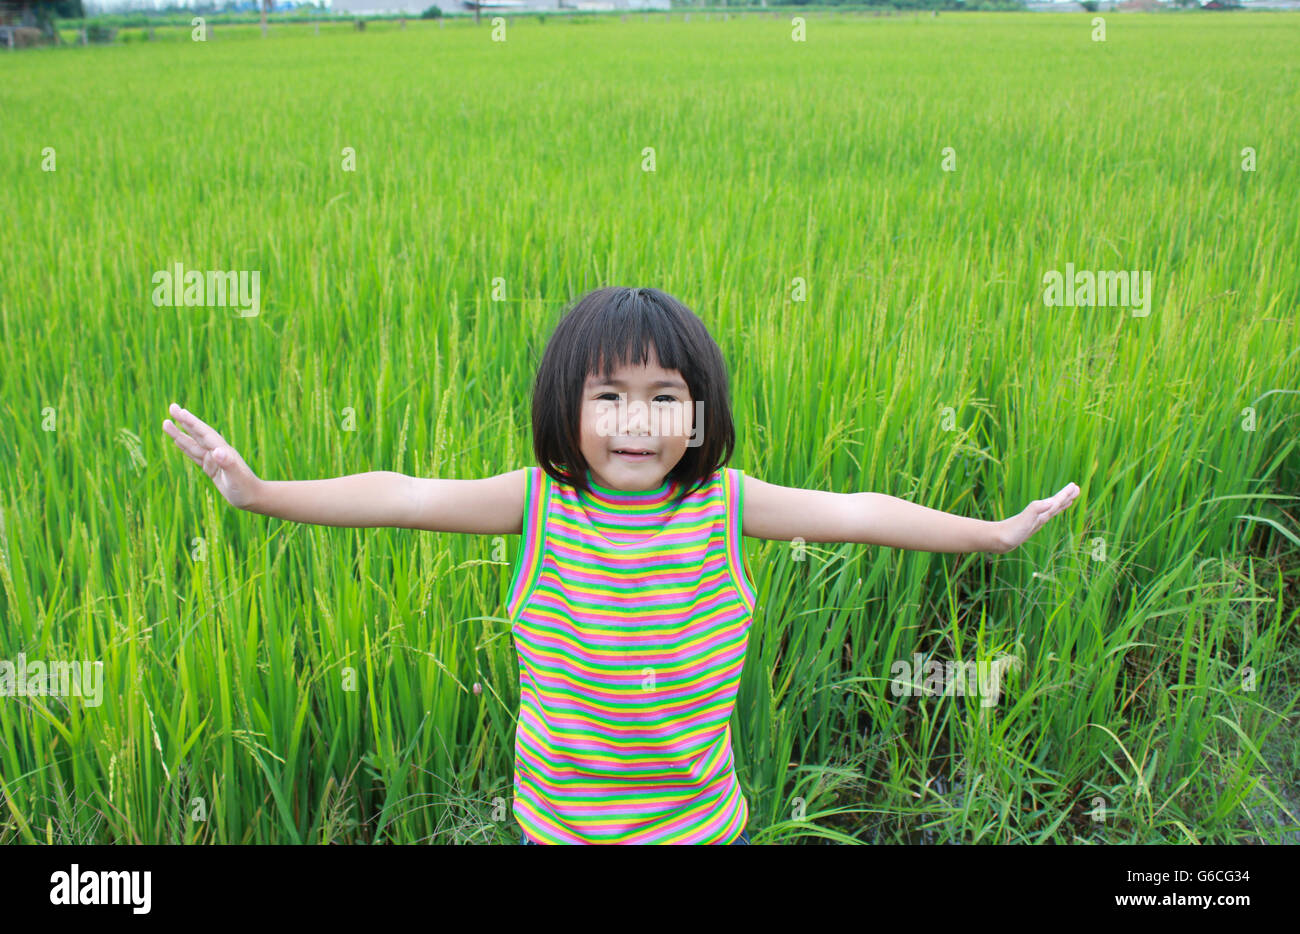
<point x="612" y="326"/>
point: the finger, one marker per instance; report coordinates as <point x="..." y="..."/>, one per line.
<point x="178" y="435"/>
<point x="210" y="466"/>
<point x="199" y="428"/>
<point x="184" y="441"/>
<point x="1041" y="519"/>
<point x="225" y="457"/>
<point x="1043" y="509"/>
<point x="1062" y="505"/>
<point x="1060" y="500"/>
<point x="179" y="415"/>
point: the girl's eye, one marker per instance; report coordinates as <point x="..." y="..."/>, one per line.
<point x="665" y="397"/>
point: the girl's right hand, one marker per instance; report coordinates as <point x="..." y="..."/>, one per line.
<point x="221" y="462"/>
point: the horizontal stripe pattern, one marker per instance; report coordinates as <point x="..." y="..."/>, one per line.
<point x="631" y="616"/>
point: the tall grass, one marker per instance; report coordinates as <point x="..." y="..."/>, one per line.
<point x="293" y="683"/>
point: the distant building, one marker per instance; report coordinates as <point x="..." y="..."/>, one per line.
<point x="416" y="7"/>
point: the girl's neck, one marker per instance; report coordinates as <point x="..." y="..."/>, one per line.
<point x="612" y="499"/>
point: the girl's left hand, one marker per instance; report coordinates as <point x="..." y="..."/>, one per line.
<point x="1019" y="527"/>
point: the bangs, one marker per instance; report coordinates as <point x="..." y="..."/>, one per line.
<point x="625" y="336"/>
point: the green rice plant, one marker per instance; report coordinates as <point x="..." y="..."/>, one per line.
<point x="267" y="682"/>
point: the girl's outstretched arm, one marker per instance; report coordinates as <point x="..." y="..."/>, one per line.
<point x="491" y="506"/>
<point x="786" y="513"/>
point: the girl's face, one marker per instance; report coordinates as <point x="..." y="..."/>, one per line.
<point x="656" y="415"/>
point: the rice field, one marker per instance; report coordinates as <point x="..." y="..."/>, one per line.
<point x="867" y="220"/>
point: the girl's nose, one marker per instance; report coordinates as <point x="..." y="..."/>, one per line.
<point x="638" y="419"/>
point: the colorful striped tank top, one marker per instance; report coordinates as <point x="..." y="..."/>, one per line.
<point x="630" y="617"/>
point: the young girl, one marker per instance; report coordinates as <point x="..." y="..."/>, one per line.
<point x="630" y="601"/>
